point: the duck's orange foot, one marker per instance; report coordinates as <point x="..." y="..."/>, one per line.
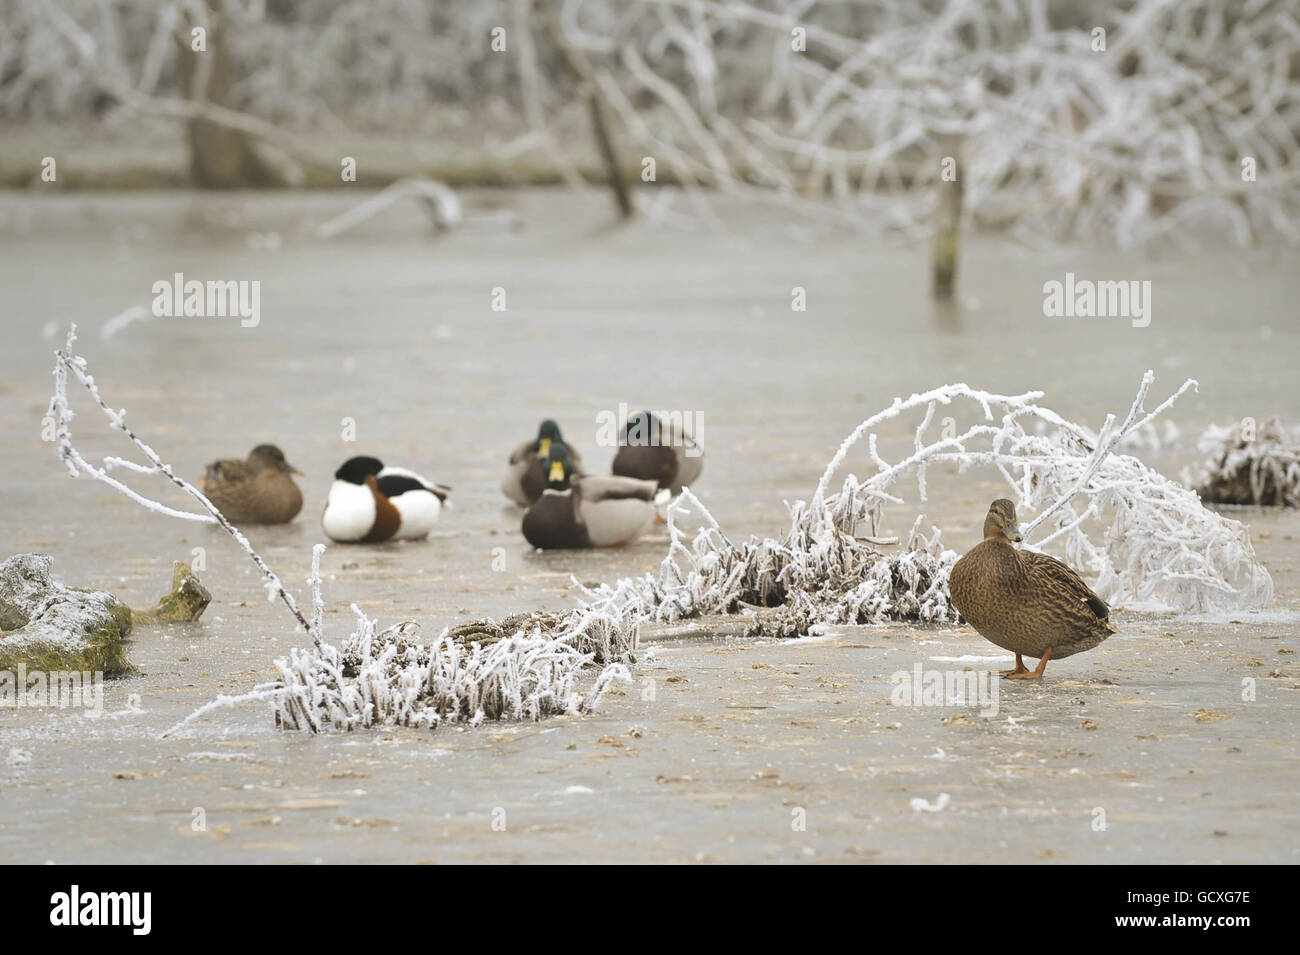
<point x="1020" y="668"/>
<point x="1020" y="673"/>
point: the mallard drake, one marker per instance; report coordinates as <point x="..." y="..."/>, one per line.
<point x="257" y="490"/>
<point x="526" y="477"/>
<point x="650" y="451"/>
<point x="593" y="511"/>
<point x="370" y="503"/>
<point x="418" y="501"/>
<point x="1026" y="602"/>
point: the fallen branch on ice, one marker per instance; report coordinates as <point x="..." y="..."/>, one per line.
<point x="441" y="203"/>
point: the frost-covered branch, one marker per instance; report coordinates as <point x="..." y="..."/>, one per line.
<point x="1152" y="544"/>
<point x="60" y="411"/>
<point x="1108" y="439"/>
<point x="1140" y="121"/>
<point x="1137" y="132"/>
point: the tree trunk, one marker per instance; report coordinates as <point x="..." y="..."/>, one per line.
<point x="947" y="228"/>
<point x="597" y="107"/>
<point x="220" y="158"/>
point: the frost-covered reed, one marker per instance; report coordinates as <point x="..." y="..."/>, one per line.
<point x="1250" y="463"/>
<point x="391" y="677"/>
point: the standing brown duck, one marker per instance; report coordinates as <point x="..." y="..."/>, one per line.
<point x="1026" y="602"/>
<point x="258" y="490"/>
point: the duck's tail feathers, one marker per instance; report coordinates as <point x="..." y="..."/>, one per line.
<point x="441" y="491"/>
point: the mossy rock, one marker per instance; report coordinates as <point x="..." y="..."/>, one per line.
<point x="184" y="603"/>
<point x="49" y="627"/>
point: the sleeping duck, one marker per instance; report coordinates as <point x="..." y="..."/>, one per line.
<point x="594" y="511"/>
<point x="1026" y="602"/>
<point x="356" y="510"/>
<point x="418" y="501"/>
<point x="526" y="478"/>
<point x="649" y="450"/>
<point x="257" y="490"/>
<point x="369" y="503"/>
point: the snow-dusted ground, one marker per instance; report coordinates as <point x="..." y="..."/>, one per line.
<point x="395" y="330"/>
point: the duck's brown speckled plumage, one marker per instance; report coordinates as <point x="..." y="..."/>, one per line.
<point x="256" y="490"/>
<point x="1026" y="602"/>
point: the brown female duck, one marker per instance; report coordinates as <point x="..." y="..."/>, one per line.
<point x="1026" y="602"/>
<point x="258" y="490"/>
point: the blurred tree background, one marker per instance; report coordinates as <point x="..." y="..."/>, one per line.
<point x="1129" y="122"/>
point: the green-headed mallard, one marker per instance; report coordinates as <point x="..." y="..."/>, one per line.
<point x="526" y="478"/>
<point x="593" y="511"/>
<point x="258" y="490"/>
<point x="652" y="451"/>
<point x="1026" y="602"/>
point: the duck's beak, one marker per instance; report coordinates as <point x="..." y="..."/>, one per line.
<point x="557" y="472"/>
<point x="1013" y="532"/>
<point x="291" y="469"/>
<point x="543" y="447"/>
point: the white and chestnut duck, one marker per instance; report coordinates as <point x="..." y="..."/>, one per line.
<point x="369" y="503"/>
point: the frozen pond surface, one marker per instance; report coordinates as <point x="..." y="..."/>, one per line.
<point x="394" y="329"/>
